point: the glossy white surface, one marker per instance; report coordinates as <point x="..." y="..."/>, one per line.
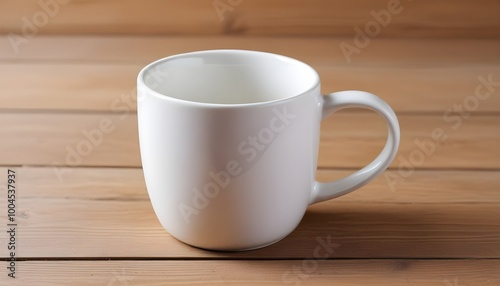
<point x="229" y="142"/>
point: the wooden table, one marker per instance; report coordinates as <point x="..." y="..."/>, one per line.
<point x="84" y="217"/>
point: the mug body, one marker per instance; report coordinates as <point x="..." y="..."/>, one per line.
<point x="229" y="143"/>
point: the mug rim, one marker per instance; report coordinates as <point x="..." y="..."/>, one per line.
<point x="142" y="85"/>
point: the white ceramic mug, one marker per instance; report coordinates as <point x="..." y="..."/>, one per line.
<point x="229" y="143"/>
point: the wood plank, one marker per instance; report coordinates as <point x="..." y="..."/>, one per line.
<point x="471" y="143"/>
<point x="426" y="18"/>
<point x="127" y="184"/>
<point x="52" y="139"/>
<point x="95" y="86"/>
<point x="324" y="272"/>
<point x="452" y="219"/>
<point x="76" y="87"/>
<point x="347" y="140"/>
<point x="379" y="53"/>
<point x="422" y="187"/>
<point x="77" y="228"/>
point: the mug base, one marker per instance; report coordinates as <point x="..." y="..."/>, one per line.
<point x="236" y="249"/>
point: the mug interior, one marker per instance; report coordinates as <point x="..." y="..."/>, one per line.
<point x="229" y="77"/>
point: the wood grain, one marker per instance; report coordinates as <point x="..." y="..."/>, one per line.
<point x="127" y="184"/>
<point x="65" y="86"/>
<point x="92" y="72"/>
<point x="324" y="272"/>
<point x="95" y="86"/>
<point x="98" y="229"/>
<point x="433" y="218"/>
<point x="347" y="140"/>
<point x="380" y="53"/>
<point x="110" y="208"/>
<point x="446" y="18"/>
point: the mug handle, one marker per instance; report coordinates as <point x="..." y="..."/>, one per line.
<point x="354" y="98"/>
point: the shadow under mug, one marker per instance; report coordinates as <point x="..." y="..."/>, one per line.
<point x="229" y="144"/>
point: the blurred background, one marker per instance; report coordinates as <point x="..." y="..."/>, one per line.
<point x="90" y="51"/>
<point x="313" y="18"/>
<point x="84" y="55"/>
